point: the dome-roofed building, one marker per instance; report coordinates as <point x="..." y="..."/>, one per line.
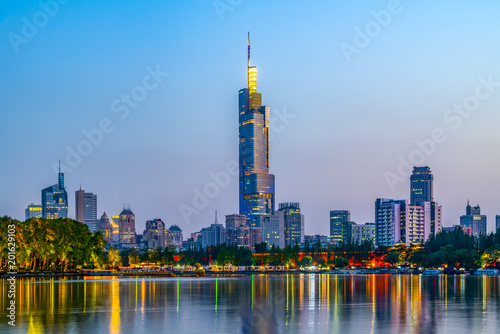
<point x="104" y="225"/>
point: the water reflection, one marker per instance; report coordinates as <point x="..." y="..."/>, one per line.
<point x="257" y="303"/>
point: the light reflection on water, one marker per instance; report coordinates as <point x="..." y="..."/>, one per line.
<point x="258" y="303"/>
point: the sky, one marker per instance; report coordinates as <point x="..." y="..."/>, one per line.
<point x="359" y="93"/>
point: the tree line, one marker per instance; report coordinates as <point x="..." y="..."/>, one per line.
<point x="52" y="245"/>
<point x="65" y="244"/>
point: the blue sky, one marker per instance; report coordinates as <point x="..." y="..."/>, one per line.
<point x="348" y="122"/>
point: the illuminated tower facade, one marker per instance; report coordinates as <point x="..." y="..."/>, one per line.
<point x="256" y="185"/>
<point x="421" y="184"/>
<point x="55" y="200"/>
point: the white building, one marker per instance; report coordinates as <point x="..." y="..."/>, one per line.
<point x="361" y="233"/>
<point x="396" y="221"/>
<point x="273" y="229"/>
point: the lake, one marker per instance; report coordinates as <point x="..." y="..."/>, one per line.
<point x="286" y="303"/>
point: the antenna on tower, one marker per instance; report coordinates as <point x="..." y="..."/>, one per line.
<point x="215" y="217"/>
<point x="249" y="49"/>
<point x="59" y="166"/>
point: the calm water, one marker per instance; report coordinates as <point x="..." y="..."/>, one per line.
<point x="259" y="304"/>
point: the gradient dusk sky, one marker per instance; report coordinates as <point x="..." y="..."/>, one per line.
<point x="343" y="119"/>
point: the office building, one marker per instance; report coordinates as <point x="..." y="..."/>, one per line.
<point x="340" y="227"/>
<point x="127" y="226"/>
<point x="362" y="233"/>
<point x="213" y="235"/>
<point x="272" y="229"/>
<point x="497" y="222"/>
<point x="421" y="185"/>
<point x="86" y="209"/>
<point x="294" y="224"/>
<point x="474" y="220"/>
<point x="33" y="211"/>
<point x="398" y="222"/>
<point x="154" y="235"/>
<point x="256" y="185"/>
<point x="104" y="225"/>
<point x="175" y="236"/>
<point x="237" y="233"/>
<point x="55" y="200"/>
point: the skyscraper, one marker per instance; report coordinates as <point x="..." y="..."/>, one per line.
<point x="340" y="227"/>
<point x="55" y="200"/>
<point x="86" y="209"/>
<point x="272" y="228"/>
<point x="497" y="222"/>
<point x="474" y="219"/>
<point x="127" y="226"/>
<point x="256" y="185"/>
<point x="294" y="224"/>
<point x="213" y="235"/>
<point x="421" y="185"/>
<point x="397" y="221"/>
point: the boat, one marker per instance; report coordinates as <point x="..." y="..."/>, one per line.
<point x="432" y="272"/>
<point x="486" y="272"/>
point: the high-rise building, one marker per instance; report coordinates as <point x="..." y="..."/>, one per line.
<point x="154" y="234"/>
<point x="127" y="226"/>
<point x="237" y="233"/>
<point x="213" y="235"/>
<point x="340" y="227"/>
<point x="86" y="209"/>
<point x="421" y="185"/>
<point x="475" y="220"/>
<point x="104" y="225"/>
<point x="497" y="222"/>
<point x="256" y="185"/>
<point x="175" y="236"/>
<point x="55" y="200"/>
<point x="273" y="229"/>
<point x="397" y="221"/>
<point x="362" y="233"/>
<point x="294" y="224"/>
<point x="33" y="211"/>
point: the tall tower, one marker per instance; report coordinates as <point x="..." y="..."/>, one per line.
<point x="55" y="199"/>
<point x="86" y="209"/>
<point x="256" y="184"/>
<point x="421" y="185"/>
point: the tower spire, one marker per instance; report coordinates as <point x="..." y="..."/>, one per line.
<point x="252" y="72"/>
<point x="215" y="217"/>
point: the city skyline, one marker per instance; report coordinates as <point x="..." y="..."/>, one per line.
<point x="332" y="154"/>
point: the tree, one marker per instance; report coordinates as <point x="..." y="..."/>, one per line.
<point x="133" y="257"/>
<point x="305" y="261"/>
<point x="114" y="257"/>
<point x="393" y="258"/>
<point x="341" y="262"/>
<point x="491" y="255"/>
<point x="261" y="248"/>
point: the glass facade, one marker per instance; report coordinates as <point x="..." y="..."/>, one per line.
<point x="421" y="183"/>
<point x="55" y="200"/>
<point x="294" y="224"/>
<point x="256" y="185"/>
<point x="340" y="227"/>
